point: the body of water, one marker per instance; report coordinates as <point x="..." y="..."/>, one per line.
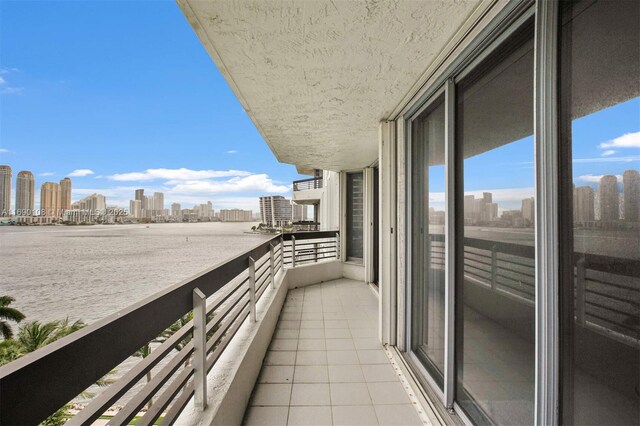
<point x="89" y="272"/>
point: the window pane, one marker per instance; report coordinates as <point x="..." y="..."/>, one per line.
<point x="427" y="211"/>
<point x="355" y="215"/>
<point x="495" y="310"/>
<point x="600" y="134"/>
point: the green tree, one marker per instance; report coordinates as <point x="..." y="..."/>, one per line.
<point x="35" y="335"/>
<point x="8" y="313"/>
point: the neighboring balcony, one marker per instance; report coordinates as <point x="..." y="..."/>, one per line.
<point x="307" y="191"/>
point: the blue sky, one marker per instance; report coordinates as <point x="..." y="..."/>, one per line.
<point x="606" y="142"/>
<point x="116" y="88"/>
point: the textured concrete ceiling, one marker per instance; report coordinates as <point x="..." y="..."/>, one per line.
<point x="316" y="76"/>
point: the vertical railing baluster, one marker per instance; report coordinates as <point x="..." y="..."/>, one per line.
<point x="272" y="271"/>
<point x="199" y="349"/>
<point x="281" y="251"/>
<point x="494" y="265"/>
<point x="315" y="252"/>
<point x="252" y="288"/>
<point x="581" y="277"/>
<point x="337" y="245"/>
<point x="293" y="251"/>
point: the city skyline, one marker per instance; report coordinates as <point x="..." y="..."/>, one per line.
<point x="69" y="194"/>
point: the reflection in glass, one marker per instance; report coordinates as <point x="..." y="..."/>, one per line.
<point x="495" y="256"/>
<point x="428" y="243"/>
<point x="600" y="134"/>
<point x="355" y="216"/>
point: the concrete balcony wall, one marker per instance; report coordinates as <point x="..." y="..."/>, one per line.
<point x="308" y="196"/>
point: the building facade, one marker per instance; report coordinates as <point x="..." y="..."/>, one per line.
<point x="584" y="205"/>
<point x="65" y="194"/>
<point x="50" y="200"/>
<point x="135" y="208"/>
<point x="95" y="204"/>
<point x="235" y="215"/>
<point x="631" y="189"/>
<point x="175" y="209"/>
<point x="275" y="210"/>
<point x="609" y="199"/>
<point x="25" y="194"/>
<point x="5" y="191"/>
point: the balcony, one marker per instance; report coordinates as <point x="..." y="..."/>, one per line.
<point x="326" y="366"/>
<point x="236" y="306"/>
<point x="307" y="191"/>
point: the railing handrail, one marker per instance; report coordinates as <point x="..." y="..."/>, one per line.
<point x="308" y="179"/>
<point x="308" y="235"/>
<point x="305" y="184"/>
<point x="598" y="262"/>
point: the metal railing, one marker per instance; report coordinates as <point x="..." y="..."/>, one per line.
<point x="606" y="288"/>
<point x="305" y="226"/>
<point x="304" y="184"/>
<point x="310" y="247"/>
<point x="220" y="298"/>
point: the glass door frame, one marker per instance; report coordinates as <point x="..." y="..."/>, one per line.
<point x="445" y="91"/>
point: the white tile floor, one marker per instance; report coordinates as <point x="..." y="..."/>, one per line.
<point x="325" y="365"/>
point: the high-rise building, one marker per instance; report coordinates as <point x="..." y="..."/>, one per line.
<point x="631" y="190"/>
<point x="528" y="211"/>
<point x="25" y="193"/>
<point x="175" y="209"/>
<point x="95" y="203"/>
<point x="135" y="208"/>
<point x="50" y="197"/>
<point x="5" y="191"/>
<point x="609" y="200"/>
<point x="204" y="211"/>
<point x="149" y="206"/>
<point x="469" y="207"/>
<point x="65" y="194"/>
<point x="584" y="210"/>
<point x="140" y="197"/>
<point x="275" y="210"/>
<point x="235" y="215"/>
<point x="158" y="203"/>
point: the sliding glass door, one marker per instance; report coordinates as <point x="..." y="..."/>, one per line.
<point x="600" y="140"/>
<point x="477" y="272"/>
<point x="495" y="278"/>
<point x="428" y="240"/>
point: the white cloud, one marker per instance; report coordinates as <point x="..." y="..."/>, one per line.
<point x="46" y="174"/>
<point x="232" y="151"/>
<point x="7" y="70"/>
<point x="12" y="90"/>
<point x="81" y="173"/>
<point x="628" y="140"/>
<point x="6" y="88"/>
<point x="4" y="151"/>
<point x="608" y="152"/>
<point x="181" y="174"/>
<point x="594" y="178"/>
<point x="256" y="183"/>
<point x="627" y="159"/>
